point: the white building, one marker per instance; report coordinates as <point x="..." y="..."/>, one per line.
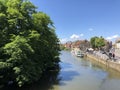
<point x="117" y="44"/>
<point x="117" y="47"/>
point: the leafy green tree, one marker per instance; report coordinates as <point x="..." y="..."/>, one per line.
<point x="92" y="41"/>
<point x="100" y="42"/>
<point x="19" y="51"/>
<point x="97" y="42"/>
<point x="28" y="43"/>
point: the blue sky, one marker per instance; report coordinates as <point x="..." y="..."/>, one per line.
<point x="83" y="19"/>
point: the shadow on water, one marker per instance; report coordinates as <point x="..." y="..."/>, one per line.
<point x="67" y="73"/>
<point x="67" y="76"/>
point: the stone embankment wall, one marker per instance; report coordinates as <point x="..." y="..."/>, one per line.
<point x="108" y="63"/>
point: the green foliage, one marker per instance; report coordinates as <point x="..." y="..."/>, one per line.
<point x="97" y="42"/>
<point x="28" y="43"/>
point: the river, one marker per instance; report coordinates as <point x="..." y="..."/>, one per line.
<point x="79" y="74"/>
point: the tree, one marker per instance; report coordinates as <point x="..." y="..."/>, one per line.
<point x="97" y="42"/>
<point x="18" y="52"/>
<point x="100" y="42"/>
<point x="28" y="43"/>
<point x="93" y="41"/>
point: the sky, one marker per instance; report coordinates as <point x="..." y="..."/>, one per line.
<point x="83" y="19"/>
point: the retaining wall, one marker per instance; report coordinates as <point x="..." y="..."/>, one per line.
<point x="108" y="63"/>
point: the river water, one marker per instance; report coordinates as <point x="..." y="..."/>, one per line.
<point x="79" y="74"/>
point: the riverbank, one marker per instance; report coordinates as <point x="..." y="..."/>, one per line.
<point x="107" y="62"/>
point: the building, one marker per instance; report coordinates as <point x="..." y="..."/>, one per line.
<point x="117" y="47"/>
<point x="117" y="44"/>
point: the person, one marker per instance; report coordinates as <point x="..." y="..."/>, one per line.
<point x="113" y="56"/>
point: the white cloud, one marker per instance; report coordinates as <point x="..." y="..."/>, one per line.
<point x="64" y="40"/>
<point x="115" y="36"/>
<point x="81" y="35"/>
<point x="74" y="36"/>
<point x="112" y="37"/>
<point x="90" y="29"/>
